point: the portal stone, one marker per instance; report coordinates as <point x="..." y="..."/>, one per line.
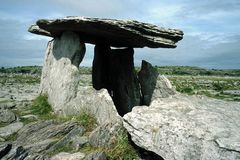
<point x="113" y="69"/>
<point x="60" y="74"/>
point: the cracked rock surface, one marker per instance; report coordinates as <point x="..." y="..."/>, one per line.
<point x="187" y="127"/>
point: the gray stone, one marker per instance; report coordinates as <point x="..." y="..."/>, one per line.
<point x="99" y="155"/>
<point x="7" y="105"/>
<point x="232" y="92"/>
<point x="10" y="129"/>
<point x="78" y="142"/>
<point x="117" y="33"/>
<point x="97" y="103"/>
<point x="163" y="88"/>
<point x="30" y="117"/>
<point x="60" y="74"/>
<point x="16" y="153"/>
<point x="106" y="134"/>
<point x="2" y="139"/>
<point x="67" y="138"/>
<point x="7" y="116"/>
<point x="40" y="131"/>
<point x="187" y="127"/>
<point x="4" y="149"/>
<point x="37" y="157"/>
<point x="148" y="79"/>
<point x="68" y="156"/>
<point x="113" y="69"/>
<point x="40" y="146"/>
<point x="36" y="29"/>
<point x="153" y="85"/>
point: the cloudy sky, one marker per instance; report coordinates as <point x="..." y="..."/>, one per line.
<point x="211" y="28"/>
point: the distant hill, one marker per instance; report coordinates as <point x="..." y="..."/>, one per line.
<point x="166" y="70"/>
<point x="194" y="71"/>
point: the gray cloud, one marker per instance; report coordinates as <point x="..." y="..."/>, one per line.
<point x="211" y="29"/>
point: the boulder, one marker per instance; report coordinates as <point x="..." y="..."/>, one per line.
<point x="97" y="103"/>
<point x="60" y="74"/>
<point x="116" y="33"/>
<point x="10" y="129"/>
<point x="163" y="88"/>
<point x="7" y="116"/>
<point x="187" y="127"/>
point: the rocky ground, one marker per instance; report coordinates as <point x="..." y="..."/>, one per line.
<point x="30" y="130"/>
<point x="29" y="134"/>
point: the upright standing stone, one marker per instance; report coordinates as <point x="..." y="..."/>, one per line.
<point x="60" y="74"/>
<point x="148" y="78"/>
<point x="100" y="67"/>
<point x="113" y="69"/>
<point x="124" y="83"/>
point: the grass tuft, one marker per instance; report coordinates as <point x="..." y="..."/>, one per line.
<point x="42" y="108"/>
<point x="122" y="148"/>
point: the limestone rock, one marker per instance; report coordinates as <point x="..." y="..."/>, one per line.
<point x="113" y="69"/>
<point x="163" y="88"/>
<point x="40" y="146"/>
<point x="148" y="79"/>
<point x="124" y="83"/>
<point x="98" y="103"/>
<point x="4" y="149"/>
<point x="187" y="127"/>
<point x="153" y="85"/>
<point x="105" y="135"/>
<point x="7" y="116"/>
<point x="10" y="129"/>
<point x="78" y="130"/>
<point x="16" y="153"/>
<point x="68" y="156"/>
<point x="40" y="131"/>
<point x="117" y="33"/>
<point x="78" y="142"/>
<point x="7" y="105"/>
<point x="60" y="74"/>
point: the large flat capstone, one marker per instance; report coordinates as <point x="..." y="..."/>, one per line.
<point x="116" y="33"/>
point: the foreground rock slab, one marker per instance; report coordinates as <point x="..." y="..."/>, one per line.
<point x="187" y="127"/>
<point x="117" y="33"/>
<point x="10" y="129"/>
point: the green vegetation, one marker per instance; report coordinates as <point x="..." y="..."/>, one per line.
<point x="210" y="86"/>
<point x="87" y="120"/>
<point x="66" y="148"/>
<point x="11" y="137"/>
<point x="22" y="69"/>
<point x="42" y="108"/>
<point x="195" y="71"/>
<point x="122" y="148"/>
<point x="19" y="79"/>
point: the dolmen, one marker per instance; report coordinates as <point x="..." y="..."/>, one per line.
<point x="113" y="63"/>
